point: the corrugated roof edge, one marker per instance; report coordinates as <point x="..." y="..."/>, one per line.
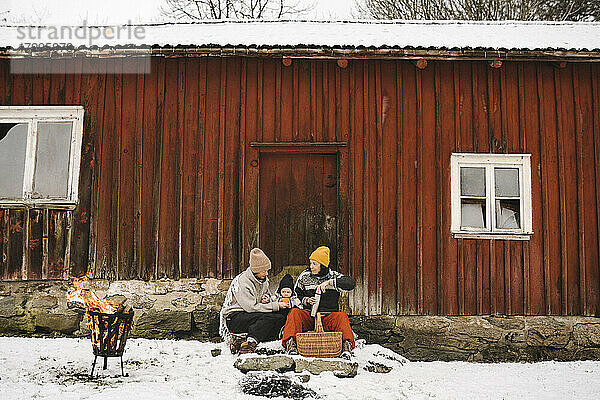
<point x="314" y="49"/>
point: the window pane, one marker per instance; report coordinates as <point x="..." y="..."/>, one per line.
<point x="52" y="165"/>
<point x="472" y="213"/>
<point x="472" y="181"/>
<point x="13" y="151"/>
<point x="507" y="182"/>
<point x="508" y="214"/>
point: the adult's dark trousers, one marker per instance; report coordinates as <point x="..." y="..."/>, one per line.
<point x="263" y="327"/>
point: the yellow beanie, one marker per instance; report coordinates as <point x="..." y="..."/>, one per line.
<point x="321" y="255"/>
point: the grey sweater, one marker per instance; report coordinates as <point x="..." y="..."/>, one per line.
<point x="245" y="294"/>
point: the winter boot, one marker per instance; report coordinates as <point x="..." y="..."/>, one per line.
<point x="290" y="346"/>
<point x="236" y="341"/>
<point x="346" y="350"/>
<point x="249" y="346"/>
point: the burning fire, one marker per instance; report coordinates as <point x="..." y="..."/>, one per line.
<point x="107" y="328"/>
<point x="88" y="299"/>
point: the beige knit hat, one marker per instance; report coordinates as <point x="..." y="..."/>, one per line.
<point x="259" y="262"/>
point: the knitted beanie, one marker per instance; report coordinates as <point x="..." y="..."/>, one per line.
<point x="259" y="262"/>
<point x="286" y="282"/>
<point x="321" y="255"/>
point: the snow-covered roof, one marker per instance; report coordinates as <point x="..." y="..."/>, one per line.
<point x="485" y="35"/>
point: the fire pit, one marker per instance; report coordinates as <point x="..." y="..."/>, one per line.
<point x="109" y="321"/>
<point x="109" y="335"/>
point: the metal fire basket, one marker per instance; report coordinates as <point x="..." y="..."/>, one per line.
<point x="109" y="335"/>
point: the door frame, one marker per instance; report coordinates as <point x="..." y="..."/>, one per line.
<point x="251" y="198"/>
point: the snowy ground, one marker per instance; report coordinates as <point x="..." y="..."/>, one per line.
<point x="165" y="369"/>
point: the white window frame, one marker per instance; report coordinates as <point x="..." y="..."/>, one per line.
<point x="489" y="162"/>
<point x="32" y="115"/>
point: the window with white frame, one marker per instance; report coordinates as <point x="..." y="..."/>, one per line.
<point x="491" y="195"/>
<point x="40" y="152"/>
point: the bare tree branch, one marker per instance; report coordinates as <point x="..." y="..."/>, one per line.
<point x="238" y="9"/>
<point x="552" y="10"/>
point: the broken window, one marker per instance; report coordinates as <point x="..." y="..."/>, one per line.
<point x="40" y="151"/>
<point x="491" y="195"/>
<point x="13" y="152"/>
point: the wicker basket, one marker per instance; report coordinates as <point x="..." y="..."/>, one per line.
<point x="319" y="343"/>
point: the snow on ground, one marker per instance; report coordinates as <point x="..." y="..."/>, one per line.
<point x="167" y="369"/>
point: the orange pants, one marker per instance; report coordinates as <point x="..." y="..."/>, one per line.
<point x="299" y="320"/>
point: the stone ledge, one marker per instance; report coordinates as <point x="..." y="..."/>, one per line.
<point x="340" y="368"/>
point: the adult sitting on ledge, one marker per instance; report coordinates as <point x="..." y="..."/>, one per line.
<point x="248" y="307"/>
<point x="330" y="282"/>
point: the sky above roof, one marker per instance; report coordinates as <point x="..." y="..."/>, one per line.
<point x="72" y="12"/>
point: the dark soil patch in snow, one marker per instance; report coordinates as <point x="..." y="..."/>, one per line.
<point x="265" y="351"/>
<point x="275" y="385"/>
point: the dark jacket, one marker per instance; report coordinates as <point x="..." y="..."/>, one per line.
<point x="307" y="283"/>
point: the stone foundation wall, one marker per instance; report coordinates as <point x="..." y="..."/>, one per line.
<point x="189" y="309"/>
<point x="186" y="309"/>
<point x="489" y="338"/>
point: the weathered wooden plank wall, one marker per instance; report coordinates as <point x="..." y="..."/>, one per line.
<point x="169" y="179"/>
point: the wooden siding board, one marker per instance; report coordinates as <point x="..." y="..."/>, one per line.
<point x="389" y="258"/>
<point x="34" y="237"/>
<point x="298" y="229"/>
<point x="409" y="189"/>
<point x="481" y="144"/>
<point x="548" y="150"/>
<point x="268" y="178"/>
<point x="168" y="226"/>
<point x="189" y="154"/>
<point x="57" y="243"/>
<point x="103" y="258"/>
<point x="4" y="242"/>
<point x="371" y="189"/>
<point x="331" y="214"/>
<point x="232" y="167"/>
<point x="356" y="184"/>
<point x="570" y="202"/>
<point x="138" y="244"/>
<point x="446" y="136"/>
<point x="211" y="170"/>
<point x="253" y="164"/>
<point x="516" y="275"/>
<point x="380" y="169"/>
<point x="15" y="244"/>
<point x="304" y="102"/>
<point x="531" y="128"/>
<point x="127" y="161"/>
<point x="241" y="236"/>
<point x="221" y="172"/>
<point x="428" y="192"/>
<point x="115" y="187"/>
<point x="286" y="104"/>
<point x="269" y="99"/>
<point x="92" y="84"/>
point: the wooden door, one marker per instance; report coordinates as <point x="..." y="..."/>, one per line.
<point x="298" y="197"/>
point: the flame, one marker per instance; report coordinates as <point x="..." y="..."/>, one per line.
<point x="88" y="298"/>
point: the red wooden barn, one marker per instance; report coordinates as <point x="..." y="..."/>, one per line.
<point x="452" y="167"/>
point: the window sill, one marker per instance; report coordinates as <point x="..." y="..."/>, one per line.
<point x="492" y="236"/>
<point x="42" y="205"/>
